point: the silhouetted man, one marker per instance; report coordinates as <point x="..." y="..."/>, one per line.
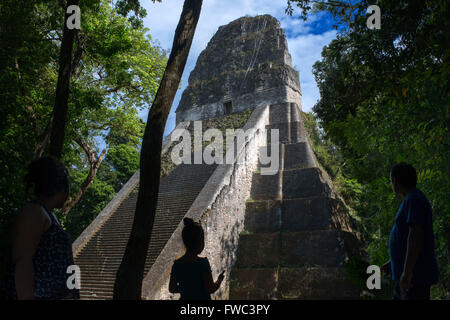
<point x="411" y="242"/>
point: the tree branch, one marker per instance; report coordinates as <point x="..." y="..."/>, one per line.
<point x="43" y="140"/>
<point x="94" y="164"/>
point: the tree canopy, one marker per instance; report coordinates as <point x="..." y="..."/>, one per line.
<point x="117" y="74"/>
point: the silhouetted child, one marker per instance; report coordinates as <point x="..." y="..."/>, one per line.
<point x="191" y="275"/>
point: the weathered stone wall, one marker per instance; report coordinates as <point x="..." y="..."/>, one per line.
<point x="220" y="207"/>
<point x="240" y="103"/>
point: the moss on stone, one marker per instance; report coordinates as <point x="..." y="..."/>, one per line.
<point x="232" y="121"/>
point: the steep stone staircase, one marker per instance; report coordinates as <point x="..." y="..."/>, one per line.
<point x="297" y="233"/>
<point x="99" y="260"/>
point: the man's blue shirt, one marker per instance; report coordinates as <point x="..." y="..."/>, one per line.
<point x="415" y="209"/>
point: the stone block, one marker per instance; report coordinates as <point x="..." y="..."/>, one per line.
<point x="295" y="112"/>
<point x="318" y="283"/>
<point x="265" y="186"/>
<point x="284" y="132"/>
<point x="266" y="151"/>
<point x="298" y="155"/>
<point x="247" y="284"/>
<point x="263" y="216"/>
<point x="309" y="248"/>
<point x="257" y="250"/>
<point x="279" y="113"/>
<point x="304" y="183"/>
<point x="307" y="214"/>
<point x="298" y="132"/>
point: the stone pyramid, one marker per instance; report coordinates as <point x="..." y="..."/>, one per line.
<point x="280" y="236"/>
<point x="297" y="233"/>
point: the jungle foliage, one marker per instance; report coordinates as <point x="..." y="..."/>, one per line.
<point x="117" y="74"/>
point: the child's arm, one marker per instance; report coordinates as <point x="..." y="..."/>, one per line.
<point x="210" y="285"/>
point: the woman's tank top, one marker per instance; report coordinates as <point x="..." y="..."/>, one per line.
<point x="52" y="258"/>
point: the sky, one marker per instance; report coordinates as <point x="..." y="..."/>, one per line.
<point x="305" y="39"/>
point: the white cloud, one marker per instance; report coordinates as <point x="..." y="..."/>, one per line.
<point x="305" y="51"/>
<point x="305" y="48"/>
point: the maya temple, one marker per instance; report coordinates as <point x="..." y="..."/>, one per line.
<point x="285" y="235"/>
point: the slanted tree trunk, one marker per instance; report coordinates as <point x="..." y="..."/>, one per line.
<point x="59" y="118"/>
<point x="130" y="275"/>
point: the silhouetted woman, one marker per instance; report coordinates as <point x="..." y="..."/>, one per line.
<point x="191" y="275"/>
<point x="41" y="249"/>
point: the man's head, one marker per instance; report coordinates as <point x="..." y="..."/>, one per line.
<point x="403" y="178"/>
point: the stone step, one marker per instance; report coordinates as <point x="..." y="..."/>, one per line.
<point x="92" y="260"/>
<point x="304" y="283"/>
<point x="103" y="262"/>
<point x="266" y="187"/>
<point x="106" y="254"/>
<point x="101" y="286"/>
<point x="315" y="283"/>
<point x="99" y="268"/>
<point x="95" y="277"/>
<point x="288" y="115"/>
<point x="100" y="258"/>
<point x="305" y="183"/>
<point x="123" y="237"/>
<point x="330" y="248"/>
<point x="117" y="247"/>
<point x="95" y="288"/>
<point x="295" y="112"/>
<point x="295" y="249"/>
<point x="90" y="257"/>
<point x="108" y="231"/>
<point x="298" y="132"/>
<point x="88" y="297"/>
<point x="98" y="276"/>
<point x="298" y="156"/>
<point x="288" y="132"/>
<point x="284" y="132"/>
<point x="96" y="294"/>
<point x="262" y="216"/>
<point x="103" y="254"/>
<point x="269" y="165"/>
<point x="253" y="284"/>
<point x="280" y="113"/>
<point x="258" y="250"/>
<point x="314" y="213"/>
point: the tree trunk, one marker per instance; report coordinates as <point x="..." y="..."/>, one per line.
<point x="94" y="164"/>
<point x="59" y="119"/>
<point x="129" y="277"/>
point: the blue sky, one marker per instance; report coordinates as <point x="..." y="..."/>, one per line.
<point x="305" y="39"/>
